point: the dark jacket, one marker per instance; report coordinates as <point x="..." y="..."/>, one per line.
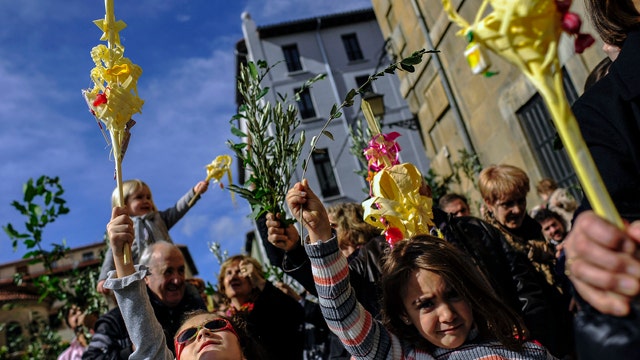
<point x="276" y="322"/>
<point x="111" y="339"/>
<point x="609" y="117"/>
<point x="608" y="114"/>
<point x="514" y="278"/>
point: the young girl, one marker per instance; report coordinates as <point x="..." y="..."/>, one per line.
<point x="150" y="225"/>
<point x="202" y="335"/>
<point x="435" y="305"/>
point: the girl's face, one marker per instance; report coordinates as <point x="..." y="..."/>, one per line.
<point x="140" y="202"/>
<point x="439" y="314"/>
<point x="235" y="285"/>
<point x="208" y="344"/>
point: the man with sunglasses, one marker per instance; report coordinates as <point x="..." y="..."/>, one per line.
<point x="171" y="297"/>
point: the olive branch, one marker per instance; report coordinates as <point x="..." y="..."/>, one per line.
<point x="272" y="148"/>
<point x="407" y="64"/>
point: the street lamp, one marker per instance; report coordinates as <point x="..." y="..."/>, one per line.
<point x="376" y="101"/>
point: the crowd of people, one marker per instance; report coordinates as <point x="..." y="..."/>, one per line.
<point x="556" y="281"/>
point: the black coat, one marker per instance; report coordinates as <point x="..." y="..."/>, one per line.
<point x="111" y="339"/>
<point x="276" y="322"/>
<point x="609" y="117"/>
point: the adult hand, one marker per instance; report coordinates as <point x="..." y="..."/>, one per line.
<point x="283" y="238"/>
<point x="601" y="263"/>
<point x="285" y="288"/>
<point x="301" y="199"/>
<point x="248" y="271"/>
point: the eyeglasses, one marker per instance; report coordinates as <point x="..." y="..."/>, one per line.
<point x="187" y="335"/>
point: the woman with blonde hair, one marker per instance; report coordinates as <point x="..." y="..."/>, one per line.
<point x="274" y="318"/>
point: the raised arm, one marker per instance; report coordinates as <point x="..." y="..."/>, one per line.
<point x="129" y="288"/>
<point x="362" y="336"/>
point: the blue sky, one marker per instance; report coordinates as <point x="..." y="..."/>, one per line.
<point x="185" y="48"/>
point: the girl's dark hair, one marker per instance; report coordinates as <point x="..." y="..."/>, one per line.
<point x="251" y="349"/>
<point x="613" y="19"/>
<point x="494" y="319"/>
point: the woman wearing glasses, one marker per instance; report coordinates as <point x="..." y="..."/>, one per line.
<point x="202" y="335"/>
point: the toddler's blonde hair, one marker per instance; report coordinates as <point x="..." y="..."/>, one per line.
<point x="129" y="188"/>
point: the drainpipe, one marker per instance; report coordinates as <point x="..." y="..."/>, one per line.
<point x="466" y="139"/>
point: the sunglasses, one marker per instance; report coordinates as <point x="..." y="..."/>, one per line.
<point x="187" y="335"/>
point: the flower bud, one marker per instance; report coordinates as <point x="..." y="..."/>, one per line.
<point x="571" y="23"/>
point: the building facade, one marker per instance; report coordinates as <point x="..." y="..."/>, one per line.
<point x="348" y="48"/>
<point x="21" y="304"/>
<point x="501" y="118"/>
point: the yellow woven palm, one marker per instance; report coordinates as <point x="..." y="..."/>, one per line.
<point x="526" y="33"/>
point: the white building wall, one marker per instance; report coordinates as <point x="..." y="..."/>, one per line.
<point x="322" y="51"/>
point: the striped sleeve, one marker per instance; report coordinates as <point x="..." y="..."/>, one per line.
<point x="362" y="335"/>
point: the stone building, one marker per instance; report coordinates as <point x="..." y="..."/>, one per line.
<point x="501" y="118"/>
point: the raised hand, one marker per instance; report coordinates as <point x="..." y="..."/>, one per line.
<point x="283" y="238"/>
<point x="302" y="200"/>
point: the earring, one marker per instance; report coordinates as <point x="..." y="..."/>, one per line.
<point x="406" y="320"/>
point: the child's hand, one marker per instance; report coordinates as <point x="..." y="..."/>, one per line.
<point x="285" y="239"/>
<point x="201" y="187"/>
<point x="100" y="288"/>
<point x="302" y="199"/>
<point x="120" y="230"/>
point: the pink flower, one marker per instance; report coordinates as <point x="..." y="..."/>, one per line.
<point x="382" y="151"/>
<point x="582" y="42"/>
<point x="393" y="235"/>
<point x="571" y="23"/>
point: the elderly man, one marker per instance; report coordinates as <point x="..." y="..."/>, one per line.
<point x="171" y="297"/>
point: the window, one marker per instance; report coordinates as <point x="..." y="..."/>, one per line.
<point x="324" y="169"/>
<point x="86" y="256"/>
<point x="292" y="57"/>
<point x="541" y="134"/>
<point x="22" y="269"/>
<point x="305" y="104"/>
<point x="363" y="79"/>
<point x="352" y="47"/>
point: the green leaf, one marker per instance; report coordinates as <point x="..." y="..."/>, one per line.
<point x="263" y="93"/>
<point x="328" y="134"/>
<point x="412" y="60"/>
<point x="350" y="95"/>
<point x="235" y="131"/>
<point x="252" y="70"/>
<point x="407" y="68"/>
